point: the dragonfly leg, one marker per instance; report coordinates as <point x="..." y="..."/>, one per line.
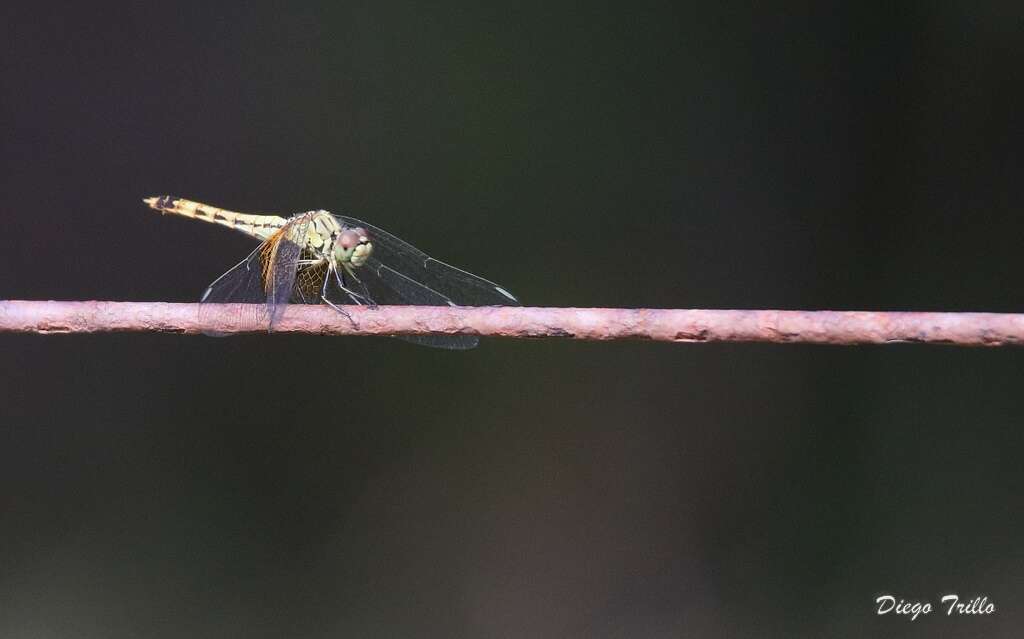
<point x="358" y="298"/>
<point x="323" y="297"/>
<point x="339" y="309"/>
<point x="364" y="295"/>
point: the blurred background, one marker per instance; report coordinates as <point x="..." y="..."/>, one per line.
<point x="821" y="156"/>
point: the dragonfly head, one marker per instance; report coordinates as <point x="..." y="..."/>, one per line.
<point x="352" y="246"/>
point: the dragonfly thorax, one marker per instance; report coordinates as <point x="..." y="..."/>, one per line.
<point x="327" y="238"/>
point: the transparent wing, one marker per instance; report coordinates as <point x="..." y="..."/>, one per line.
<point x="399" y="273"/>
<point x="263" y="283"/>
<point x="379" y="284"/>
<point x="459" y="287"/>
<point x="242" y="284"/>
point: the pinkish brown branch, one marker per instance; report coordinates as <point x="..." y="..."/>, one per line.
<point x="668" y="325"/>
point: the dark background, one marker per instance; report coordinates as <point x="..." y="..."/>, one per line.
<point x="852" y="156"/>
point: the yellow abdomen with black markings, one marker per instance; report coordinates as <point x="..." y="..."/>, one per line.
<point x="258" y="226"/>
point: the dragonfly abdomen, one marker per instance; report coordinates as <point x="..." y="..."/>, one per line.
<point x="258" y="226"/>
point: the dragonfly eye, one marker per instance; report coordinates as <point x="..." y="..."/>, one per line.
<point x="351" y="238"/>
<point x="353" y="245"/>
<point x="348" y="239"/>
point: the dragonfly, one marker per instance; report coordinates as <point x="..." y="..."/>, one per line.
<point x="318" y="257"/>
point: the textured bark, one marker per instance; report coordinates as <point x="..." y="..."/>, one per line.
<point x="670" y="325"/>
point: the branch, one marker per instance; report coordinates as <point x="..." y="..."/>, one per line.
<point x="668" y="325"/>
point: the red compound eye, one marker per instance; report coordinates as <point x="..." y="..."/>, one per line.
<point x="348" y="239"/>
<point x="351" y="238"/>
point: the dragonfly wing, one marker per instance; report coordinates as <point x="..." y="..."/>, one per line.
<point x="262" y="284"/>
<point x="457" y="287"/>
<point x="399" y="273"/>
<point x="282" y="264"/>
<point x="242" y="284"/>
<point x="379" y="284"/>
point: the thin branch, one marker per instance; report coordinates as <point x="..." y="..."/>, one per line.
<point x="669" y="325"/>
